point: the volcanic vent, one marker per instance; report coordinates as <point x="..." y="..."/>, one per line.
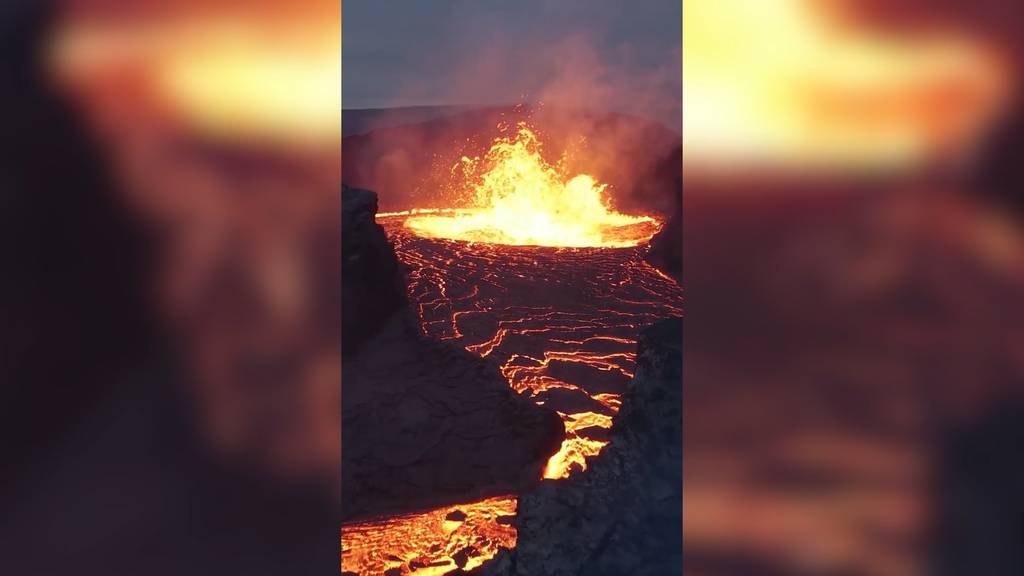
<point x="519" y="198"/>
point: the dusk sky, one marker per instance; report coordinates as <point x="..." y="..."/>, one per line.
<point x="619" y="55"/>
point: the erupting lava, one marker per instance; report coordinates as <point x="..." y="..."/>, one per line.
<point x="521" y="199"/>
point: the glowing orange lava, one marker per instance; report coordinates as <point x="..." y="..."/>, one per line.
<point x="519" y="307"/>
<point x="575" y="450"/>
<point x="424" y="543"/>
<point x="521" y="199"/>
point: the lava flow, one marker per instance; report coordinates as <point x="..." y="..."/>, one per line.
<point x="544" y="279"/>
<point x="426" y="544"/>
<point x="561" y="324"/>
<point x="521" y="199"/>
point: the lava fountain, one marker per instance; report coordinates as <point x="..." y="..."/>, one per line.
<point x="521" y="199"/>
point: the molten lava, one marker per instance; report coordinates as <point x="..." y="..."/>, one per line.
<point x="425" y="543"/>
<point x="521" y="199"/>
<point x="561" y="325"/>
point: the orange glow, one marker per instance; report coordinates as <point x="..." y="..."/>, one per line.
<point x="424" y="543"/>
<point x="248" y="78"/>
<point x="521" y="199"/>
<point x="575" y="450"/>
<point x="780" y="82"/>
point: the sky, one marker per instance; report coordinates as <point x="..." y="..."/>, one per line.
<point x="620" y="55"/>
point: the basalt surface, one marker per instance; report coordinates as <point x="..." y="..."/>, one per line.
<point x="623" y="515"/>
<point x="423" y="423"/>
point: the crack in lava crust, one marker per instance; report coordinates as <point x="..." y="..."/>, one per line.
<point x="561" y="323"/>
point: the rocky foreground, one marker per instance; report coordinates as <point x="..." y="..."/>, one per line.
<point x="623" y="515"/>
<point x="423" y="423"/>
<point x="666" y="247"/>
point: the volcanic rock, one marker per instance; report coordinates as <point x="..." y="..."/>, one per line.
<point x="595" y="433"/>
<point x="424" y="424"/>
<point x="372" y="288"/>
<point x="572" y="401"/>
<point x="593" y="380"/>
<point x="623" y="515"/>
<point x="456" y="516"/>
<point x="419" y="564"/>
<point x="666" y="247"/>
<point x="462" y="556"/>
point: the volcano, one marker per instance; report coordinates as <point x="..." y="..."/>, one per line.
<point x="540" y="275"/>
<point x="561" y="323"/>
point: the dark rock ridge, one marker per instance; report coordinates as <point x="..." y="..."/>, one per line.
<point x="624" y="514"/>
<point x="666" y="247"/>
<point x="372" y="287"/>
<point x="424" y="424"/>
